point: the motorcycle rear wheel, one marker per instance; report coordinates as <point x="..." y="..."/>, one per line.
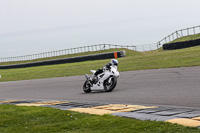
<point x="86" y="87"/>
<point x="108" y="87"/>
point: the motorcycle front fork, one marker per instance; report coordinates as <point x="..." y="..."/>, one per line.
<point x="88" y="79"/>
<point x="109" y="80"/>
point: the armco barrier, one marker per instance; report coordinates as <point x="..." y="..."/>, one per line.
<point x="179" y="45"/>
<point x="69" y="60"/>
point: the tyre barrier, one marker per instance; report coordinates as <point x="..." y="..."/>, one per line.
<point x="110" y="55"/>
<point x="180" y="45"/>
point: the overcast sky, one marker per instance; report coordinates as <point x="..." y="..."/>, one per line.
<point x="34" y="26"/>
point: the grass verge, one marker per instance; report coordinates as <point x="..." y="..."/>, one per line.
<point x="133" y="61"/>
<point x="14" y="119"/>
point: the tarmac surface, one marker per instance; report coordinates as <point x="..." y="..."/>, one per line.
<point x="167" y="87"/>
<point x="170" y="95"/>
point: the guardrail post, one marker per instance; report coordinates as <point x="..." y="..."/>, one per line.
<point x="173" y="36"/>
<point x="150" y="47"/>
<point x="92" y="48"/>
<point x="182" y="32"/>
<point x="77" y="50"/>
<point x="64" y="52"/>
<point x="81" y="49"/>
<point x="96" y="47"/>
<point x="84" y="49"/>
<point x="199" y="28"/>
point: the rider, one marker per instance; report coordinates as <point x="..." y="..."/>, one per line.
<point x="113" y="63"/>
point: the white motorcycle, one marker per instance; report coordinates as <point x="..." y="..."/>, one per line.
<point x="106" y="81"/>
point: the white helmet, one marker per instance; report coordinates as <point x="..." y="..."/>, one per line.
<point x="114" y="62"/>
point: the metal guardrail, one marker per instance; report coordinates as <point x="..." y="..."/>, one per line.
<point x="107" y="55"/>
<point x="64" y="52"/>
<point x="179" y="33"/>
<point x="147" y="47"/>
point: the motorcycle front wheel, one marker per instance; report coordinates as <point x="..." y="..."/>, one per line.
<point x="108" y="87"/>
<point x="86" y="87"/>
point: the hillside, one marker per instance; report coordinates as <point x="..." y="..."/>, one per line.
<point x="68" y="56"/>
<point x="133" y="61"/>
<point x="186" y="38"/>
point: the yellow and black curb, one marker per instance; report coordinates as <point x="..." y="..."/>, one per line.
<point x="183" y="116"/>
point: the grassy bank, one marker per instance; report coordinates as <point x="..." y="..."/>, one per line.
<point x="187" y="38"/>
<point x="62" y="56"/>
<point x="14" y="119"/>
<point x="133" y="61"/>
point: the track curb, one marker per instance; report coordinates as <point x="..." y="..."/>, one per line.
<point x="183" y="116"/>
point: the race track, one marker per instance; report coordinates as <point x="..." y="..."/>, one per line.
<point x="171" y="87"/>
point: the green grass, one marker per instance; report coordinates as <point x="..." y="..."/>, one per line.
<point x="133" y="61"/>
<point x="14" y="119"/>
<point x="187" y="38"/>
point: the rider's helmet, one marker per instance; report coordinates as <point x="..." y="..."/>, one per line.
<point x="114" y="62"/>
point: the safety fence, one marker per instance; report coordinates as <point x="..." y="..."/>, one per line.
<point x="147" y="47"/>
<point x="90" y="48"/>
<point x="180" y="33"/>
<point x="102" y="56"/>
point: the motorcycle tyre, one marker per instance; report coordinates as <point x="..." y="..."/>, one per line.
<point x="112" y="86"/>
<point x="85" y="88"/>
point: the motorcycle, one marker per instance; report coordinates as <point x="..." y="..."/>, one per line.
<point x="105" y="81"/>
